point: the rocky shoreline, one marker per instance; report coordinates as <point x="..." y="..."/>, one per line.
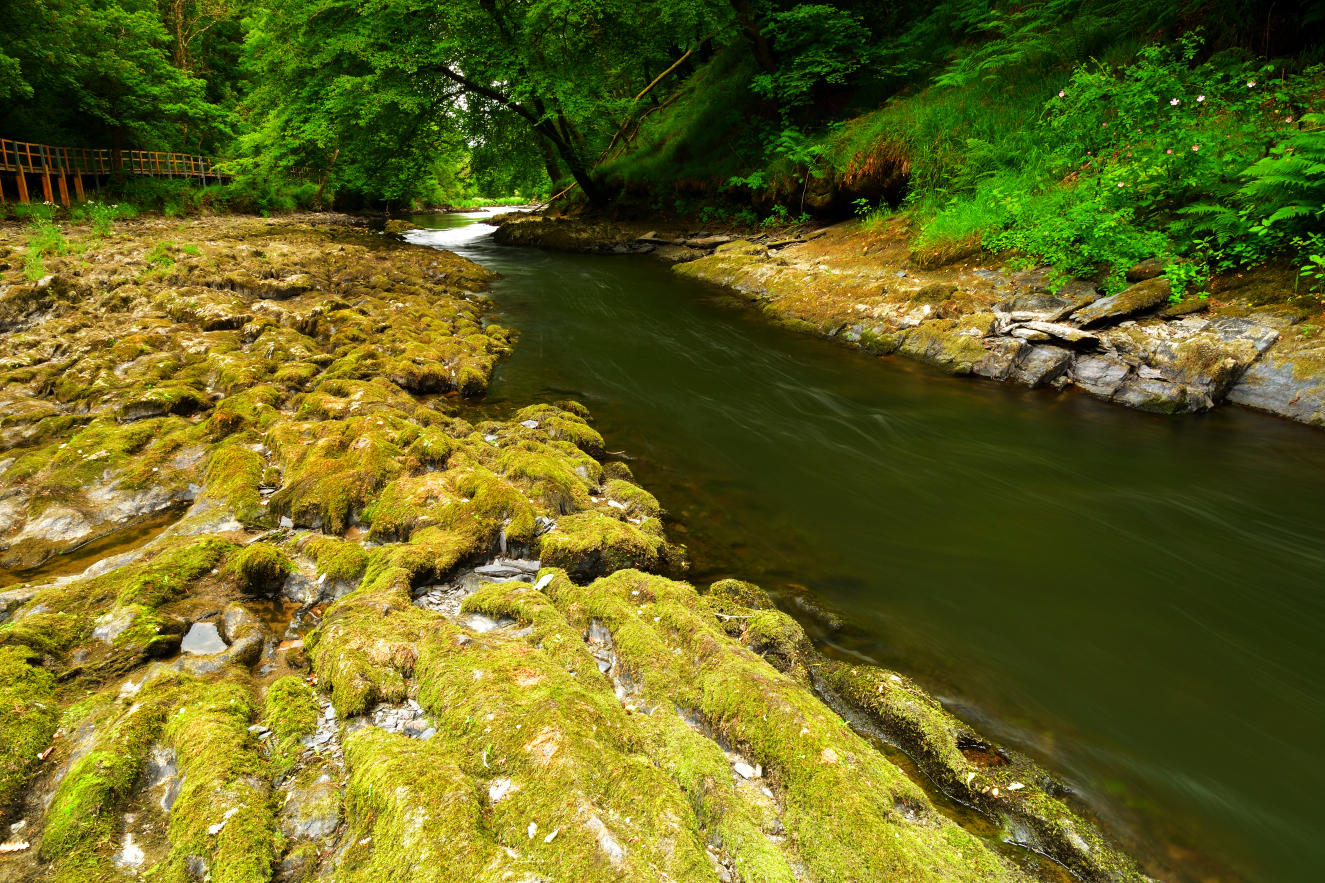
<point x="381" y="636"/>
<point x="1255" y="342"/>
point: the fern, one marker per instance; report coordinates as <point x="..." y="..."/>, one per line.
<point x="1288" y="186"/>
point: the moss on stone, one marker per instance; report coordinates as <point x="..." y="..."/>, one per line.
<point x="337" y="558"/>
<point x="259" y="568"/>
<point x="564" y="423"/>
<point x="1008" y="788"/>
<point x="223" y="815"/>
<point x="234" y="476"/>
<point x="290" y="712"/>
<point x="83" y="818"/>
<point x="837" y="791"/>
<point x="949" y="344"/>
<point x="67" y="612"/>
<point x="27" y="720"/>
<point x="637" y="500"/>
<point x="588" y="544"/>
<point x="333" y="468"/>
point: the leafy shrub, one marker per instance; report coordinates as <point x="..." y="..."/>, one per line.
<point x="44" y="237"/>
<point x="101" y="216"/>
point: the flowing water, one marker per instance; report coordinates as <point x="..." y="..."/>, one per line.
<point x="1137" y="601"/>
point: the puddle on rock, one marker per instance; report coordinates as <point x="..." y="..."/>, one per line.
<point x="202" y="640"/>
<point x="80" y="558"/>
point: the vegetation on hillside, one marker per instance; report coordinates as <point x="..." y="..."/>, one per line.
<point x="1086" y="135"/>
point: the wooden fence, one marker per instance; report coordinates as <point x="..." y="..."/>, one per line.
<point x="55" y="167"/>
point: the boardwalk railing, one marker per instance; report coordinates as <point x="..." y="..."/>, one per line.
<point x="55" y="166"/>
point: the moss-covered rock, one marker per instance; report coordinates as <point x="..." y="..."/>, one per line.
<point x="258" y="569"/>
<point x="27" y="719"/>
<point x="290" y="712"/>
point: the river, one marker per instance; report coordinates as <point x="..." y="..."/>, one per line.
<point x="1136" y="601"/>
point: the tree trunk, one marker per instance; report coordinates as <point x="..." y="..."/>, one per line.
<point x="543" y="126"/>
<point x="759" y="44"/>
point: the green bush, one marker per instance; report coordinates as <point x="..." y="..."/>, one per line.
<point x="44" y="237"/>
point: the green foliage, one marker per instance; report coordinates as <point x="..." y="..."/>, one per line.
<point x="159" y="255"/>
<point x="118" y="72"/>
<point x="43" y="238"/>
<point x="821" y="46"/>
<point x="100" y="216"/>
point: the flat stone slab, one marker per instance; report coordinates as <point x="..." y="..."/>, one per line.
<point x="1138" y="298"/>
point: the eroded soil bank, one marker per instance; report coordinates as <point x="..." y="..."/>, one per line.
<point x="387" y="638"/>
<point x="1256" y="341"/>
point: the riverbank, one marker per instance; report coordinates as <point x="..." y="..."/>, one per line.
<point x="1255" y="341"/>
<point x="348" y="627"/>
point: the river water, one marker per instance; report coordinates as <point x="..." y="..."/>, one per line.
<point x="1136" y="601"/>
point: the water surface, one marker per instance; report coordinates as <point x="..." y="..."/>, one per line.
<point x="1135" y="600"/>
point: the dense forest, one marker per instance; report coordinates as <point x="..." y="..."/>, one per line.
<point x="1078" y="134"/>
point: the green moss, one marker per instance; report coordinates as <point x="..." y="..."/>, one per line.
<point x="291" y="712"/>
<point x="83" y="818"/>
<point x="566" y="424"/>
<point x="587" y="544"/>
<point x="366" y="646"/>
<point x="258" y="568"/>
<point x="224" y="782"/>
<point x="942" y="343"/>
<point x="415" y="815"/>
<point x="253" y="408"/>
<point x="234" y="476"/>
<point x="538" y="714"/>
<point x="334" y="468"/>
<point x="337" y="558"/>
<point x="27" y="720"/>
<point x="638" y="501"/>
<point x="837" y="791"/>
<point x="560" y="478"/>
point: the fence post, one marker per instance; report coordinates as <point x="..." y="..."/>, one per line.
<point x="46" y="193"/>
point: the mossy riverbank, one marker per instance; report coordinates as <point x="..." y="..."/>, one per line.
<point x="450" y="648"/>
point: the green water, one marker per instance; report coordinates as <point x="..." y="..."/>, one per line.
<point x="1137" y="601"/>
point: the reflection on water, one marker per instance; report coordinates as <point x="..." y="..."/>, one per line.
<point x="1134" y="599"/>
<point x="202" y="639"/>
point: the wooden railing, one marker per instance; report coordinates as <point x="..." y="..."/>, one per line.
<point x="57" y="165"/>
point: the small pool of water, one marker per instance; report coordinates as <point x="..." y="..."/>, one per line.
<point x="203" y="639"/>
<point x="1134" y="600"/>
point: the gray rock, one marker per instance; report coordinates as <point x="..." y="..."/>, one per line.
<point x="1002" y="353"/>
<point x="1235" y="328"/>
<point x="110" y="625"/>
<point x="709" y="241"/>
<point x="1286" y="381"/>
<point x="1162" y="396"/>
<point x="1129" y="302"/>
<point x="1099" y="375"/>
<point x="1064" y="333"/>
<point x="1041" y="365"/>
<point x="1029" y="334"/>
<point x="1147" y="269"/>
<point x="14" y="599"/>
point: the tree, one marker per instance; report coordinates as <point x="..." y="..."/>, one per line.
<point x="331" y="71"/>
<point x="98" y="74"/>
